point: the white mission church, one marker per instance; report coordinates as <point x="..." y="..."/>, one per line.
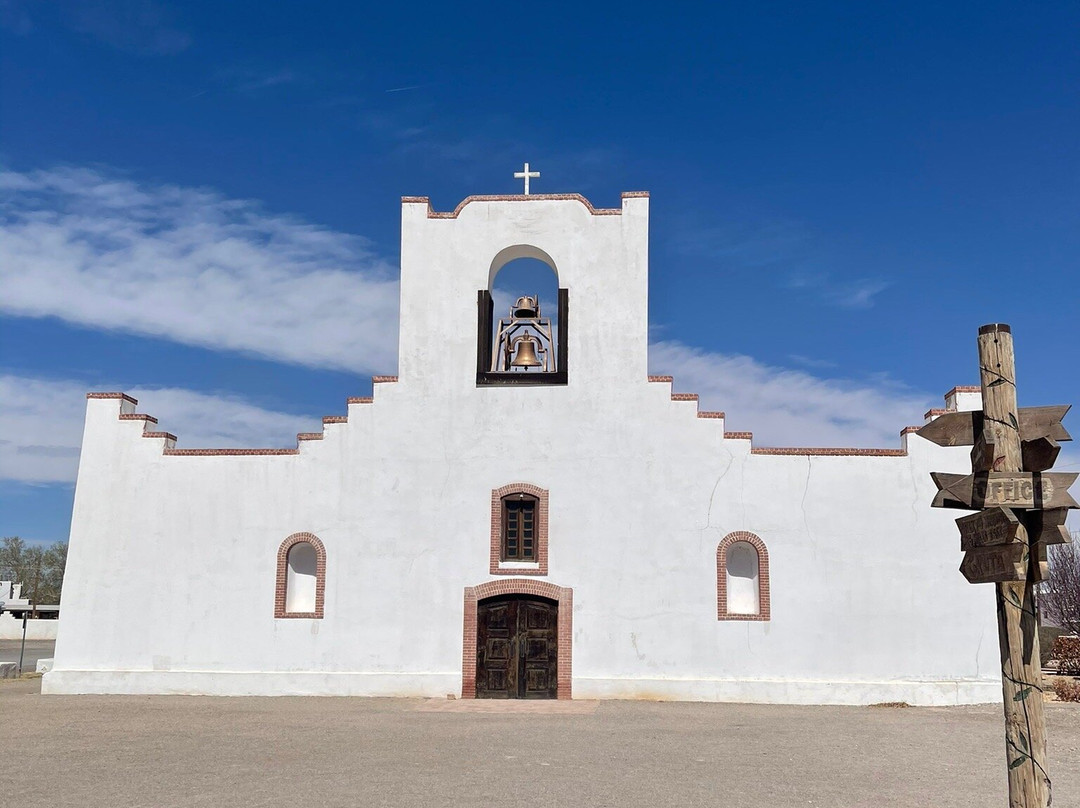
<point x="522" y="512"/>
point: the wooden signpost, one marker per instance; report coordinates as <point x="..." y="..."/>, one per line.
<point x="1021" y="508"/>
<point x="992" y="488"/>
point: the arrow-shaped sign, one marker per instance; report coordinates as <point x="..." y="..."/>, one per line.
<point x="960" y="428"/>
<point x="1020" y="489"/>
<point x="1047" y="526"/>
<point x="1040" y="454"/>
<point x="991" y="564"/>
<point x="990" y="527"/>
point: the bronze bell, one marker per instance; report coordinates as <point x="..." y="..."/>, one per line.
<point x="526" y="307"/>
<point x="525" y="357"/>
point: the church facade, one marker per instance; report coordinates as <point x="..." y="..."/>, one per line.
<point x="522" y="512"/>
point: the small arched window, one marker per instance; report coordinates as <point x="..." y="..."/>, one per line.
<point x="742" y="578"/>
<point x="301" y="577"/>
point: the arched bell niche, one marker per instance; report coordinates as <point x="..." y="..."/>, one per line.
<point x="522" y="320"/>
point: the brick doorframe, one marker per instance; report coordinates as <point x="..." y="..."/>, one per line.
<point x="562" y="595"/>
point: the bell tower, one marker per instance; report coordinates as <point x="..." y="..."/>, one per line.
<point x="595" y="334"/>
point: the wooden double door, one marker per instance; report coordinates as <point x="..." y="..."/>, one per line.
<point x="517" y="648"/>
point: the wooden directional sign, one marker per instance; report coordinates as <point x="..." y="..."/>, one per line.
<point x="990" y="527"/>
<point x="1047" y="527"/>
<point x="961" y="428"/>
<point x="1040" y="454"/>
<point x="1019" y="489"/>
<point x="1006" y="562"/>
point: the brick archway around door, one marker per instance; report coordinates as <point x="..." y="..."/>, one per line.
<point x="562" y="595"/>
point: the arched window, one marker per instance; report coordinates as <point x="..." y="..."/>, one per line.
<point x="742" y="578"/>
<point x="519" y="530"/>
<point x="301" y="577"/>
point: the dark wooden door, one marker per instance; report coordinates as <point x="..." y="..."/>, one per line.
<point x="516" y="648"/>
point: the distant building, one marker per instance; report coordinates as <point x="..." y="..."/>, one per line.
<point x="12" y="608"/>
<point x="522" y="512"/>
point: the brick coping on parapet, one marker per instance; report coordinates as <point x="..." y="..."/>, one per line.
<point x="790" y="451"/>
<point x="434" y="214"/>
<point x="171" y="438"/>
<point x="809" y="451"/>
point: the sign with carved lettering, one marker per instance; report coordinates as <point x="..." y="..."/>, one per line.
<point x="990" y="527"/>
<point x="961" y="428"/>
<point x="1020" y="489"/>
<point x="1006" y="562"/>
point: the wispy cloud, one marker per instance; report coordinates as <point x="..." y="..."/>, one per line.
<point x="140" y="27"/>
<point x="787" y="251"/>
<point x="811" y="362"/>
<point x="746" y="245"/>
<point x="94" y="248"/>
<point x="41" y="431"/>
<point x="407" y="88"/>
<point x="857" y="294"/>
<point x="250" y="81"/>
<point x="784" y="407"/>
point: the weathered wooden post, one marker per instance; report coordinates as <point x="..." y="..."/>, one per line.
<point x="1022" y="509"/>
<point x="998" y="449"/>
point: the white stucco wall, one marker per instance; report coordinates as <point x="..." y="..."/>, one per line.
<point x="866" y="601"/>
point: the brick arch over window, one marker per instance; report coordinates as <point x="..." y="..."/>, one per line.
<point x="764" y="608"/>
<point x="496" y="566"/>
<point x="280" y="592"/>
<point x="562" y="595"/>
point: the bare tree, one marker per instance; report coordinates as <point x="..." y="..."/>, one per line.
<point x="39" y="569"/>
<point x="1059" y="594"/>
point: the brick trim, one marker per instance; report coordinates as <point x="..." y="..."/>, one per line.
<point x="359" y="400"/>
<point x="658" y="379"/>
<point x="738" y="435"/>
<point x="764" y="606"/>
<point x="228" y="452"/>
<point x="708" y="414"/>
<point x="684" y="396"/>
<point x="964" y="388"/>
<point x="562" y="595"/>
<point x="282" y="576"/>
<point x="137" y="416"/>
<point x="932" y="413"/>
<point x="829" y="452"/>
<point x="383" y="379"/>
<point x="122" y="396"/>
<point x="495" y="549"/>
<point x="907" y="430"/>
<point x="432" y="214"/>
<point x="335" y="419"/>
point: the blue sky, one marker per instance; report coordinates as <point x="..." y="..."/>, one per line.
<point x="200" y="202"/>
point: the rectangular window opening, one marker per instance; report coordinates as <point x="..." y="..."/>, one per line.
<point x="519" y="518"/>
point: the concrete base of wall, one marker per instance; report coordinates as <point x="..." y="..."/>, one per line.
<point x="935" y="693"/>
<point x="253" y="683"/>
<point x="940" y="693"/>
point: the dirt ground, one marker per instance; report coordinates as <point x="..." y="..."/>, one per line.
<point x="196" y="751"/>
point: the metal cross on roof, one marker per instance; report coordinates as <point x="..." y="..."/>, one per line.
<point x="524" y="175"/>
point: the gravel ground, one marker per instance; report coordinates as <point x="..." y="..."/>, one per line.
<point x="198" y="751"/>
